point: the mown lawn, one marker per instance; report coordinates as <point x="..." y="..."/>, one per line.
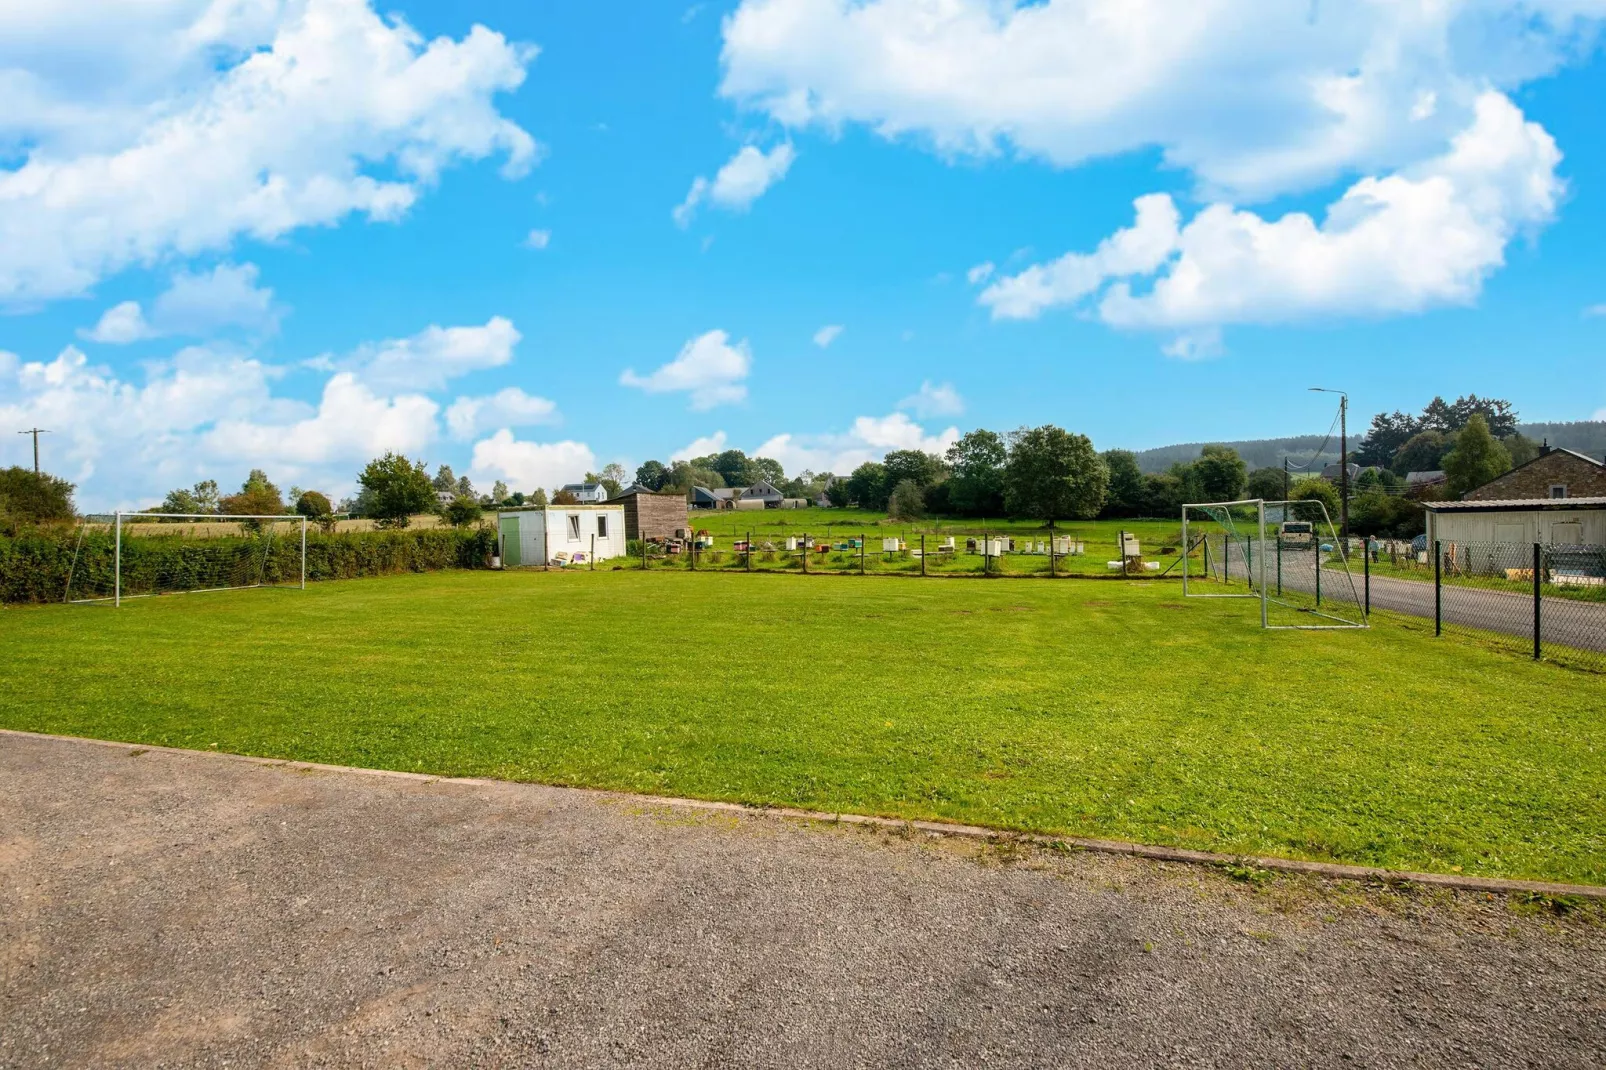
<point x="1096" y="708"/>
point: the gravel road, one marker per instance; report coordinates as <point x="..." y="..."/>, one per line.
<point x="163" y="909"/>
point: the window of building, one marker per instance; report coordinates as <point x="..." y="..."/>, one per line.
<point x="574" y="527"/>
<point x="602" y="527"/>
<point x="1558" y="490"/>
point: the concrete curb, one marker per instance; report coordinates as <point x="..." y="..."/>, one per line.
<point x="1328" y="870"/>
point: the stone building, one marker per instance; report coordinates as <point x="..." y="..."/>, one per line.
<point x="1555" y="473"/>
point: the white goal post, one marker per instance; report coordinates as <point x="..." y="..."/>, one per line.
<point x="220" y="552"/>
<point x="1286" y="555"/>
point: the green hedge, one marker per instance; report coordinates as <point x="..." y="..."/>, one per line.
<point x="34" y="567"/>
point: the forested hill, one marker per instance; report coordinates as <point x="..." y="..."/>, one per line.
<point x="1585" y="436"/>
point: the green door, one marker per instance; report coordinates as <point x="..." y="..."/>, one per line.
<point x="509" y="526"/>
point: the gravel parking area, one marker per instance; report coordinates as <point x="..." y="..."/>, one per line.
<point x="170" y="909"/>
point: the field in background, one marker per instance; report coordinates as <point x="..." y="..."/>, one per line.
<point x="1104" y="709"/>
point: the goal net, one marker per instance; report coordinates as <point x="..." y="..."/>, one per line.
<point x="1287" y="555"/>
<point x="135" y="555"/>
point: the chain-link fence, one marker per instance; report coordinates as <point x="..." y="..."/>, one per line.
<point x="1542" y="601"/>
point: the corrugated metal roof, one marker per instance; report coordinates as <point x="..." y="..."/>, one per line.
<point x="1516" y="505"/>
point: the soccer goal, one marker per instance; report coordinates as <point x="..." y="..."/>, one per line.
<point x="1285" y="554"/>
<point x="136" y="555"/>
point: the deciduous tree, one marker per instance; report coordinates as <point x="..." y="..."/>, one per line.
<point x="394" y="488"/>
<point x="1054" y="475"/>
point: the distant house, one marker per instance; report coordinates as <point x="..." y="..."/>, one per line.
<point x="703" y="498"/>
<point x="1334" y="472"/>
<point x="762" y="491"/>
<point x="587" y="493"/>
<point x="1555" y="473"/>
<point x="1417" y="483"/>
<point x="823" y="499"/>
<point x="634" y="488"/>
<point x="445" y="497"/>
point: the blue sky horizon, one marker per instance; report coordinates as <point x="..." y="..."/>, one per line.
<point x="527" y="241"/>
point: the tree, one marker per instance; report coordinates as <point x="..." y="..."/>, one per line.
<point x="609" y="485"/>
<point x="616" y="472"/>
<point x="313" y="505"/>
<point x="535" y="497"/>
<point x="1318" y="490"/>
<point x="201" y="499"/>
<point x="465" y="489"/>
<point x="316" y="508"/>
<point x="1422" y="453"/>
<point x="652" y="475"/>
<point x="906" y="502"/>
<point x="564" y="497"/>
<point x="920" y="468"/>
<point x="498" y="492"/>
<point x="445" y="481"/>
<point x="769" y="470"/>
<point x="1266" y="483"/>
<point x="1221" y="473"/>
<point x="1497" y="413"/>
<point x="1163" y="495"/>
<point x="1126" y="484"/>
<point x="977" y="462"/>
<point x="29" y="498"/>
<point x="1477" y="458"/>
<point x="462" y="511"/>
<point x="1053" y="475"/>
<point x="257" y="497"/>
<point x="395" y="488"/>
<point x="1388" y="433"/>
<point x="867" y="486"/>
<point x="1522" y="448"/>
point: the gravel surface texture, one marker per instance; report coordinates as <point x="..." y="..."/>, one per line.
<point x="167" y="909"/>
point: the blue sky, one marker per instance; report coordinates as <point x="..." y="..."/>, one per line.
<point x="525" y="240"/>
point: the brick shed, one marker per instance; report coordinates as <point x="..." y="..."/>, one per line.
<point x="652" y="516"/>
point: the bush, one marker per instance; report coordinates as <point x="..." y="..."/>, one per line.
<point x="34" y="567"/>
<point x="463" y="511"/>
<point x="26" y="498"/>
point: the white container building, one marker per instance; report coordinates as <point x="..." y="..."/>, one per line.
<point x="538" y="534"/>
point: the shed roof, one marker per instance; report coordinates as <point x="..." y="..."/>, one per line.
<point x="1517" y="505"/>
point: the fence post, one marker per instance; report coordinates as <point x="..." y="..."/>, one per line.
<point x="922" y="553"/>
<point x="694" y="549"/>
<point x="643" y="551"/>
<point x="1366" y="572"/>
<point x="1537" y="554"/>
<point x="861" y="553"/>
<point x="1280" y="560"/>
<point x="749" y="551"/>
<point x="1438" y="589"/>
<point x="806" y="557"/>
<point x="117" y="563"/>
<point x="1318" y="571"/>
<point x="1053" y="567"/>
<point x="591" y="562"/>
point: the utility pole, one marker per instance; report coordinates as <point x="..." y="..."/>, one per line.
<point x="35" y="432"/>
<point x="1343" y="462"/>
<point x="1285" y="483"/>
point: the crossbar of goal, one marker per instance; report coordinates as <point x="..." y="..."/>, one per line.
<point x="119" y="517"/>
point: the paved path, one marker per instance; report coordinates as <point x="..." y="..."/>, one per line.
<point x="1564" y="621"/>
<point x="159" y="909"/>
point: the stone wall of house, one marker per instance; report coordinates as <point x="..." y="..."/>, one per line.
<point x="1584" y="479"/>
<point x="654" y="516"/>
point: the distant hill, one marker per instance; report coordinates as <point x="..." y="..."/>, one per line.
<point x="1585" y="436"/>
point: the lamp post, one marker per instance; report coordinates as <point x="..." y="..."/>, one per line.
<point x="1343" y="462"/>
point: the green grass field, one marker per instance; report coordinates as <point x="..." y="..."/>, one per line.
<point x="1105" y="709"/>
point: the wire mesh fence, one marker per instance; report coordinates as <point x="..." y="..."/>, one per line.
<point x="958" y="554"/>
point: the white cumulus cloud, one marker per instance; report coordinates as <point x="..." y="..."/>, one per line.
<point x="538" y="239"/>
<point x="743" y="180"/>
<point x="700" y="447"/>
<point x="1426" y="236"/>
<point x="509" y="407"/>
<point x="153" y="130"/>
<point x="528" y="466"/>
<point x="827" y="334"/>
<point x="429" y="358"/>
<point x="869" y="439"/>
<point x="709" y="368"/>
<point x="934" y="399"/>
<point x="197" y="304"/>
<point x="1254" y="97"/>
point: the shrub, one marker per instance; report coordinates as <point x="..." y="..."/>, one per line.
<point x="34" y="567"/>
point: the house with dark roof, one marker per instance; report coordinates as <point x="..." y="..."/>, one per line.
<point x="1555" y="473"/>
<point x="587" y="493"/>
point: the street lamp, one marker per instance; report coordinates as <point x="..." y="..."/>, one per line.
<point x="1343" y="461"/>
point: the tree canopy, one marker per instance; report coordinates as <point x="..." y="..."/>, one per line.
<point x="1054" y="475"/>
<point x="394" y="488"/>
<point x="1476" y="459"/>
<point x="976" y="461"/>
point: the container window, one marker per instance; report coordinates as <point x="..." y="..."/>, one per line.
<point x="602" y="527"/>
<point x="574" y="527"/>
